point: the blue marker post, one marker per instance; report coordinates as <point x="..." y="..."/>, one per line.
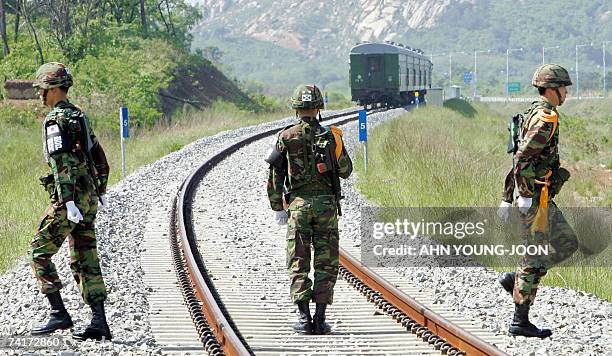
<point x="125" y="133"/>
<point x="363" y="136"/>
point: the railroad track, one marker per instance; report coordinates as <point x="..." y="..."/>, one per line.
<point x="240" y="306"/>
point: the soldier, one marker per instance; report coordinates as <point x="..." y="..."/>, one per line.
<point x="304" y="189"/>
<point x="79" y="173"/>
<point x="538" y="177"/>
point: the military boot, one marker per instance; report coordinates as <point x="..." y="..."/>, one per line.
<point x="59" y="318"/>
<point x="320" y="326"/>
<point x="521" y="326"/>
<point x="98" y="328"/>
<point x="304" y="324"/>
<point x="506" y="279"/>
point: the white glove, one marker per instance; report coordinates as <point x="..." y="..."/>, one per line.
<point x="74" y="214"/>
<point x="281" y="217"/>
<point x="504" y="211"/>
<point x="102" y="201"/>
<point x="524" y="204"/>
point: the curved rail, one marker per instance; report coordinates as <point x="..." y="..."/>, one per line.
<point x="416" y="317"/>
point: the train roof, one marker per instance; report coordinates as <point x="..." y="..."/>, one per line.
<point x="378" y="48"/>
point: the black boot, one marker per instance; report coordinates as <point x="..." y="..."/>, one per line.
<point x="98" y="328"/>
<point x="320" y="326"/>
<point x="304" y="324"/>
<point x="521" y="326"/>
<point x="59" y="318"/>
<point x="506" y="279"/>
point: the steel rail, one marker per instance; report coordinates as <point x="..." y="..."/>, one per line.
<point x="222" y="326"/>
<point x="452" y="333"/>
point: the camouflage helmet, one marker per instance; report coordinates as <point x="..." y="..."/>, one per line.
<point x="52" y="75"/>
<point x="551" y="76"/>
<point x="307" y="97"/>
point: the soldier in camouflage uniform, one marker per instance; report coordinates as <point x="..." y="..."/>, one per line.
<point x="537" y="177"/>
<point x="304" y="188"/>
<point x="79" y="173"/>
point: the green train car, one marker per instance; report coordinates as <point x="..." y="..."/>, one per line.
<point x="388" y="74"/>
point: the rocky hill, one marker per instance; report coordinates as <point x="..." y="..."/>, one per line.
<point x="315" y="26"/>
<point x="298" y="32"/>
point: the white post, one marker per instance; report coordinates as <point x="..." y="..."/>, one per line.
<point x="508" y="50"/>
<point x="605" y="89"/>
<point x="365" y="156"/>
<point x="577" y="77"/>
<point x="577" y="80"/>
<point x="476" y="70"/>
<point x="507" y="72"/>
<point x="122" y="157"/>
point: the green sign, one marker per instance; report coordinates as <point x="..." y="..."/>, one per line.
<point x="514" y="87"/>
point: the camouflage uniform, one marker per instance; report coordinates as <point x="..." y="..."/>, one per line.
<point x="70" y="180"/>
<point x="537" y="175"/>
<point x="299" y="185"/>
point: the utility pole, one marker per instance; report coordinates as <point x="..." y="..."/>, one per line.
<point x="544" y="49"/>
<point x="476" y="69"/>
<point x="577" y="77"/>
<point x="508" y="50"/>
<point x="603" y="49"/>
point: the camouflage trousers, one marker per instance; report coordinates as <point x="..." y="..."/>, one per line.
<point x="561" y="242"/>
<point x="53" y="229"/>
<point x="313" y="221"/>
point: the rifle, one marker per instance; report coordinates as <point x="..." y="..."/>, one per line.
<point x="335" y="178"/>
<point x="88" y="157"/>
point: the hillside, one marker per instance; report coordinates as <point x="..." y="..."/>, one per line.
<point x="307" y="40"/>
<point x="117" y="60"/>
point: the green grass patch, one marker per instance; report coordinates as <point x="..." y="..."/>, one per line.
<point x="23" y="200"/>
<point x="455" y="157"/>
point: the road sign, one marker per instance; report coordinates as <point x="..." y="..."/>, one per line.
<point x="514" y="87"/>
<point x="363" y="126"/>
<point x="467" y="77"/>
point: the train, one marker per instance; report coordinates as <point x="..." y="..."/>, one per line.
<point x="388" y="74"/>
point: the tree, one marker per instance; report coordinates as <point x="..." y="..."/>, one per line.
<point x="143" y="17"/>
<point x="5" y="45"/>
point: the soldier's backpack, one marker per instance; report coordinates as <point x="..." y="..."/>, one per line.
<point x="515" y="125"/>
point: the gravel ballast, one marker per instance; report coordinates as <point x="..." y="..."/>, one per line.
<point x="580" y="321"/>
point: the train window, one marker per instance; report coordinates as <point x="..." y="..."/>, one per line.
<point x="374" y="64"/>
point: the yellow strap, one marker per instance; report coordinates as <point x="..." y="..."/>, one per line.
<point x="552" y="118"/>
<point x="338" y="138"/>
<point x="540" y="223"/>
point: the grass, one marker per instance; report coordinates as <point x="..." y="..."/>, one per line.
<point x="455" y="157"/>
<point x="23" y="200"/>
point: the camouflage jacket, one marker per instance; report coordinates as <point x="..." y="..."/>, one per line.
<point x="67" y="167"/>
<point x="299" y="146"/>
<point x="537" y="152"/>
